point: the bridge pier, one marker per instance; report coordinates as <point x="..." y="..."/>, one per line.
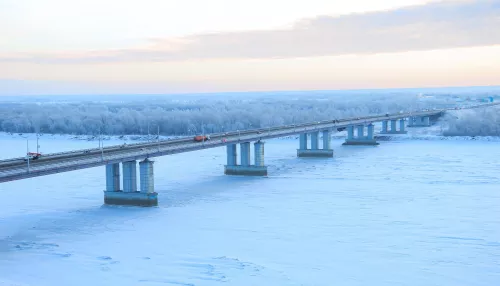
<point x="113" y="177"/>
<point x="315" y="151"/>
<point x="129" y="176"/>
<point x="393" y="129"/>
<point x="360" y="138"/>
<point x="246" y="168"/>
<point x="384" y="127"/>
<point x="419" y="121"/>
<point x="303" y="141"/>
<point x="314" y="140"/>
<point x="129" y="195"/>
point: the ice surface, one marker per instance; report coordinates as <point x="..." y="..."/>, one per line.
<point x="404" y="213"/>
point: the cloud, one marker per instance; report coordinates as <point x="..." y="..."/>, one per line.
<point x="427" y="27"/>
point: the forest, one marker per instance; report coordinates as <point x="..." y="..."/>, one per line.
<point x="184" y="115"/>
<point x="474" y="122"/>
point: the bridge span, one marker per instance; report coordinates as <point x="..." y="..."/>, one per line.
<point x="360" y="131"/>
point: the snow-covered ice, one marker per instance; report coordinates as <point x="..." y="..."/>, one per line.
<point x="407" y="212"/>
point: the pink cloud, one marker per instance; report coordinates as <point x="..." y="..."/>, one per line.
<point x="427" y="27"/>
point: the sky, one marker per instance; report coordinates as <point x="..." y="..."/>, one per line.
<point x="177" y="46"/>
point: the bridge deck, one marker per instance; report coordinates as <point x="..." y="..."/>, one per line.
<point x="16" y="168"/>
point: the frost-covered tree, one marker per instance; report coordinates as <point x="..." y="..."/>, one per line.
<point x="474" y="122"/>
<point x="188" y="116"/>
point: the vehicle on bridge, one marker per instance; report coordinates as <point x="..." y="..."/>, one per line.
<point x="200" y="138"/>
<point x="32" y="156"/>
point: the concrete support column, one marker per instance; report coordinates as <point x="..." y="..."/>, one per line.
<point x="360" y="139"/>
<point x="232" y="155"/>
<point x="326" y="140"/>
<point x="147" y="176"/>
<point x="245" y="153"/>
<point x="361" y="131"/>
<point x="113" y="177"/>
<point x="303" y="141"/>
<point x="369" y="135"/>
<point x="419" y="121"/>
<point x="393" y="129"/>
<point x="259" y="153"/>
<point x="130" y="196"/>
<point x="350" y="132"/>
<point x="326" y="151"/>
<point x="129" y="176"/>
<point x="411" y="121"/>
<point x="314" y="140"/>
<point x="393" y="126"/>
<point x="384" y="126"/>
<point x="246" y="169"/>
<point x="427" y="121"/>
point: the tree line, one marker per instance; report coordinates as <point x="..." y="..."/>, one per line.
<point x="474" y="122"/>
<point x="178" y="116"/>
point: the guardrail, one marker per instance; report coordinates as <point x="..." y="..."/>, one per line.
<point x="181" y="144"/>
<point x="265" y="133"/>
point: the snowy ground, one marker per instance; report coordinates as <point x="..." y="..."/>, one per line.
<point x="407" y="212"/>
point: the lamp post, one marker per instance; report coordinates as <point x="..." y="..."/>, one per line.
<point x="37" y="145"/>
<point x="148" y="132"/>
<point x="202" y="134"/>
<point x="101" y="145"/>
<point x="28" y="153"/>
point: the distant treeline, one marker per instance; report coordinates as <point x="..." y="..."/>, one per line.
<point x="474" y="122"/>
<point x="178" y="117"/>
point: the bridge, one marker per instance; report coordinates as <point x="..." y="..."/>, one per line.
<point x="360" y="131"/>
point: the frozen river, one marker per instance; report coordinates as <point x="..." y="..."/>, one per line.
<point x="402" y="213"/>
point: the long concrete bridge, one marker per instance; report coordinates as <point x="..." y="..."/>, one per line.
<point x="360" y="131"/>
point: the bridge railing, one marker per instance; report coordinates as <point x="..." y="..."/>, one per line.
<point x="159" y="150"/>
<point x="94" y="151"/>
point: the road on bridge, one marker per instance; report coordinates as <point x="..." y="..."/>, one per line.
<point x="17" y="168"/>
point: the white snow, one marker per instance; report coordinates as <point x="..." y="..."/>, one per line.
<point x="407" y="212"/>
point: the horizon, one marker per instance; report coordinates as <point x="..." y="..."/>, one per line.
<point x="459" y="89"/>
